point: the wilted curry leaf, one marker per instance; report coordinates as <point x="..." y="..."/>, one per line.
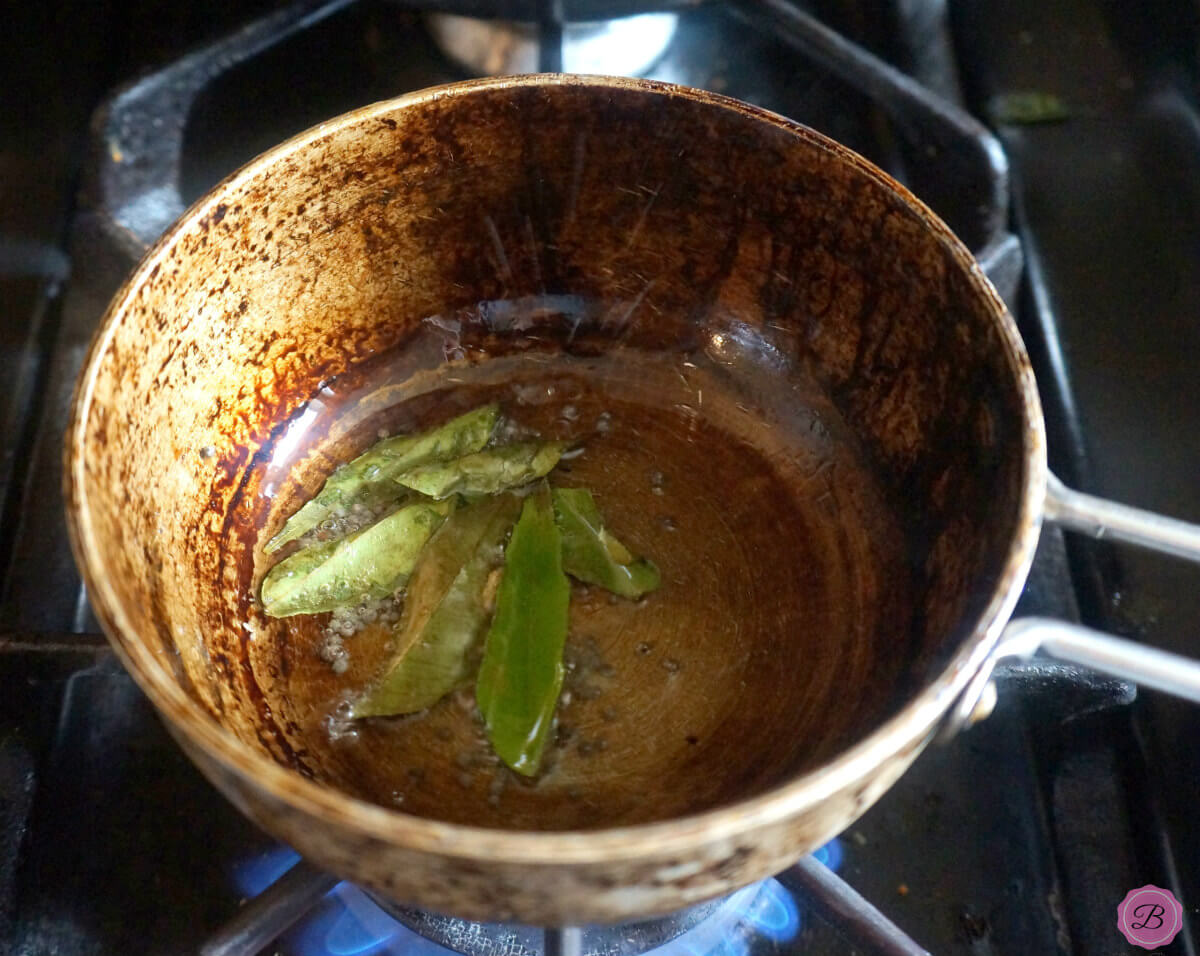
<point x="368" y="564"/>
<point x="591" y="554"/>
<point x="444" y="611"/>
<point x="486" y="472"/>
<point x="370" y="478"/>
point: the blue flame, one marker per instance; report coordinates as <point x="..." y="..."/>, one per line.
<point x="830" y="854"/>
<point x="715" y="935"/>
<point x="347" y="923"/>
<point x="774" y="913"/>
<point x="766" y="911"/>
<point x="344" y="923"/>
<point x="763" y="910"/>
<point x="254" y="875"/>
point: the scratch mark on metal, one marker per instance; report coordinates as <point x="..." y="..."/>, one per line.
<point x="637" y="300"/>
<point x="531" y="238"/>
<point x="498" y="246"/>
<point x="637" y="226"/>
<point x="576" y="175"/>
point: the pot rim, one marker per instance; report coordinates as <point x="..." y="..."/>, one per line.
<point x="910" y="727"/>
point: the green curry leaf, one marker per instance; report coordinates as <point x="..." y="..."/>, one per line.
<point x="370" y="478"/>
<point x="366" y="565"/>
<point x="591" y="554"/>
<point x="486" y="472"/>
<point x="445" y="614"/>
<point x="522" y="671"/>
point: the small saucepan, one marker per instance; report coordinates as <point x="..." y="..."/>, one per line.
<point x="838" y="581"/>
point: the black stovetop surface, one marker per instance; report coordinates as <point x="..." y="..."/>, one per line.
<point x="1019" y="836"/>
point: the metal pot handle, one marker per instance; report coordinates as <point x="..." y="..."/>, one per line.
<point x="1076" y="644"/>
<point x="1106" y="519"/>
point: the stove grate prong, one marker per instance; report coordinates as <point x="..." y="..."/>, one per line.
<point x="266" y="917"/>
<point x="847" y="910"/>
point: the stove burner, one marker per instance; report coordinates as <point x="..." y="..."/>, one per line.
<point x="762" y="908"/>
<point x="627" y="46"/>
<point x="345" y="920"/>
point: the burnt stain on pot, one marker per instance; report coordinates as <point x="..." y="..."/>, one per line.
<point x="242" y="525"/>
<point x="733" y="863"/>
<point x="244" y="516"/>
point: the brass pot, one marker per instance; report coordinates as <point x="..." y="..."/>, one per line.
<point x="688" y="212"/>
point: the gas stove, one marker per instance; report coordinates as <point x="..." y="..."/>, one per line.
<point x="1059" y="141"/>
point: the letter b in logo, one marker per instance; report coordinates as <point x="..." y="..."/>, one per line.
<point x="1150" y="915"/>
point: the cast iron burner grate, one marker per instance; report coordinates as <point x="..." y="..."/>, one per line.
<point x="954" y="161"/>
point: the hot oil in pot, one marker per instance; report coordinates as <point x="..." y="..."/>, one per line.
<point x="776" y="627"/>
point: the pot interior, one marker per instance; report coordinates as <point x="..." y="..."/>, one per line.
<point x="793" y="393"/>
